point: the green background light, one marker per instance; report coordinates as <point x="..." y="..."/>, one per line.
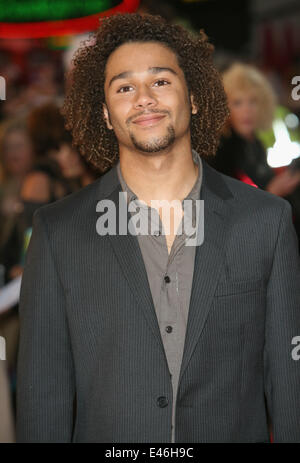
<point x="52" y="10"/>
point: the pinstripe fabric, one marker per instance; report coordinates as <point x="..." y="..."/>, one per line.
<point x="91" y="363"/>
<point x="171" y="300"/>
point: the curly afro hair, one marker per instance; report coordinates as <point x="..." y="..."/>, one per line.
<point x="83" y="104"/>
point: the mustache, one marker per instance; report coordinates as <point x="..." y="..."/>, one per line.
<point x="146" y="113"/>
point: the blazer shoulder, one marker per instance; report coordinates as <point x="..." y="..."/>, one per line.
<point x="78" y="204"/>
<point x="250" y="196"/>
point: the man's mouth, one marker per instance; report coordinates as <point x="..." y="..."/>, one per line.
<point x="148" y="120"/>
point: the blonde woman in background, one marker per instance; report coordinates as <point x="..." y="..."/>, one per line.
<point x="251" y="102"/>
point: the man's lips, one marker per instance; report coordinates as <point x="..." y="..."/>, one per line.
<point x="148" y="120"/>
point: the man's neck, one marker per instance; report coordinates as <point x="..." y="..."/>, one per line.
<point x="156" y="176"/>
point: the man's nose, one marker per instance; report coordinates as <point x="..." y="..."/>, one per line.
<point x="144" y="97"/>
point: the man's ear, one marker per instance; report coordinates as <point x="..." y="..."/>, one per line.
<point x="193" y="105"/>
<point x="106" y="117"/>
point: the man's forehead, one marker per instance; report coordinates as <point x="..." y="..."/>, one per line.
<point x="143" y="58"/>
<point x="134" y="53"/>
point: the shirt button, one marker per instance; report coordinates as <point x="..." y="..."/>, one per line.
<point x="162" y="402"/>
<point x="167" y="279"/>
<point x="169" y="329"/>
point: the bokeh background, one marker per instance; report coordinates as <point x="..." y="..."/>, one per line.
<point x="38" y="164"/>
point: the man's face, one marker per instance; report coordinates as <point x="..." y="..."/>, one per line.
<point x="147" y="100"/>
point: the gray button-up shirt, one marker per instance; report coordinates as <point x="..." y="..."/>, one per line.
<point x="170" y="279"/>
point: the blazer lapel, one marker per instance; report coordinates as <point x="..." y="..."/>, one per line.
<point x="209" y="257"/>
<point x="129" y="256"/>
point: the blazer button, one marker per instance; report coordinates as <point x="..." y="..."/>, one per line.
<point x="162" y="401"/>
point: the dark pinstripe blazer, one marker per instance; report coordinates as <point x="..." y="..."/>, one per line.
<point x="91" y="363"/>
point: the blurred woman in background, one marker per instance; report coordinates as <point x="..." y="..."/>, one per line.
<point x="241" y="154"/>
<point x="251" y="102"/>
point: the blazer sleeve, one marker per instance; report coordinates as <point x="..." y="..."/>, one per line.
<point x="281" y="368"/>
<point x="45" y="370"/>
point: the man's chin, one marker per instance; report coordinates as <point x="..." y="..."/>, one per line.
<point x="153" y="145"/>
<point x="150" y="149"/>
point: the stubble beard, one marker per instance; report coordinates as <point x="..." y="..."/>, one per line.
<point x="156" y="144"/>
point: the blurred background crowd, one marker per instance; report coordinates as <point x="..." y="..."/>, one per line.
<point x="257" y="51"/>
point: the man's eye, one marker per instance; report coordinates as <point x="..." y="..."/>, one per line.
<point x="122" y="88"/>
<point x="161" y="81"/>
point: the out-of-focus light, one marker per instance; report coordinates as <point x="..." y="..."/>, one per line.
<point x="291" y="121"/>
<point x="284" y="150"/>
<point x="25" y="19"/>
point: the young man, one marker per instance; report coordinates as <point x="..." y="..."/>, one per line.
<point x="148" y="338"/>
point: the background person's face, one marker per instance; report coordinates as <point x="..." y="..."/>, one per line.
<point x="17" y="152"/>
<point x="69" y="161"/>
<point x="161" y="94"/>
<point x="244" y="108"/>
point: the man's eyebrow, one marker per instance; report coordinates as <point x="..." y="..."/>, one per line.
<point x="157" y="70"/>
<point x="152" y="70"/>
